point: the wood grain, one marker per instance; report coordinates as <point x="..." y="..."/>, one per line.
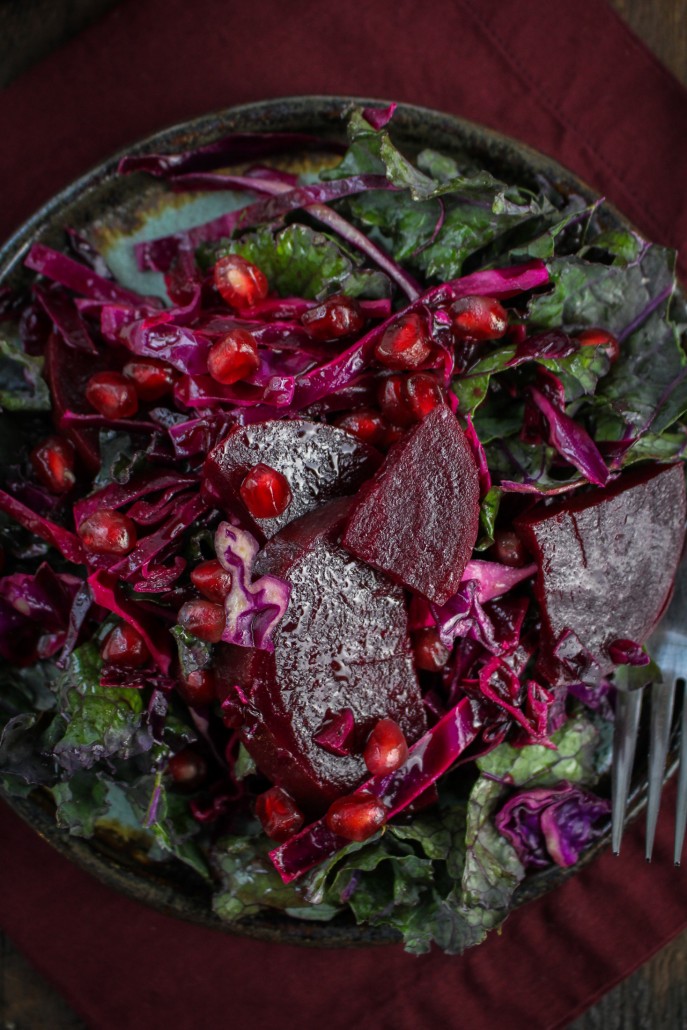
<point x="662" y="25"/>
<point x="653" y="998"/>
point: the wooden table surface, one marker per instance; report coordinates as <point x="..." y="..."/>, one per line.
<point x="655" y="997"/>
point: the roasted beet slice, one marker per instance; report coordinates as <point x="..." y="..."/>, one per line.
<point x="343" y="643"/>
<point x="320" y="462"/>
<point x="417" y="520"/>
<point x="607" y="559"/>
<point x="68" y="371"/>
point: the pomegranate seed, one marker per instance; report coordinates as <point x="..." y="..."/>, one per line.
<point x="508" y="548"/>
<point x="405" y="344"/>
<point x="334" y="318"/>
<point x="111" y="394"/>
<point x="240" y="283"/>
<point x="233" y="357"/>
<point x="213" y="581"/>
<point x="479" y="318"/>
<point x="600" y="338"/>
<point x="386" y="748"/>
<point x="125" y="646"/>
<point x="188" y="769"/>
<point x="265" y="492"/>
<point x="408" y="399"/>
<point x="203" y="619"/>
<point x="108" y="532"/>
<point x="430" y="654"/>
<point x="356" y="817"/>
<point x="367" y="425"/>
<point x="280" y="816"/>
<point x="180" y="287"/>
<point x="394" y="402"/>
<point x="152" y="379"/>
<point x="393" y="435"/>
<point x="423" y="394"/>
<point x="198" y="688"/>
<point x="53" y="463"/>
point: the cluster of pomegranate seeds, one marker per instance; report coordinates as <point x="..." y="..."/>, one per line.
<point x="600" y="338"/>
<point x="188" y="769"/>
<point x="405" y="345"/>
<point x="386" y="749"/>
<point x="53" y="462"/>
<point x="233" y="357"/>
<point x="336" y="317"/>
<point x="112" y="395"/>
<point x="509" y="549"/>
<point x="279" y="814"/>
<point x="211" y="580"/>
<point x="265" y="492"/>
<point x="356" y="816"/>
<point x="152" y="379"/>
<point x="203" y="619"/>
<point x="108" y="532"/>
<point x="198" y="687"/>
<point x="430" y="654"/>
<point x="239" y="282"/>
<point x="125" y="646"/>
<point x="479" y="318"/>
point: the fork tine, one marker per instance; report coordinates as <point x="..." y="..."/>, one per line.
<point x="662" y="696"/>
<point x="681" y="811"/>
<point x="628" y="707"/>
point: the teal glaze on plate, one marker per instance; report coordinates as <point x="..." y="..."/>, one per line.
<point x="163" y="215"/>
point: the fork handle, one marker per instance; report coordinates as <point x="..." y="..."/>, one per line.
<point x="627" y="710"/>
<point x="681" y="810"/>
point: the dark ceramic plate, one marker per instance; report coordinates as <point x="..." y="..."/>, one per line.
<point x="112" y="211"/>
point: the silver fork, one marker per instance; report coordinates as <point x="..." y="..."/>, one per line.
<point x="668" y="648"/>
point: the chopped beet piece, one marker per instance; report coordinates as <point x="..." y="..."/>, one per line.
<point x="417" y="520"/>
<point x="607" y="559"/>
<point x="343" y="643"/>
<point x="320" y="462"/>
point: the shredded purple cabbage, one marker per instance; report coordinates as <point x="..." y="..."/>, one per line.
<point x="553" y="824"/>
<point x="253" y="608"/>
<point x="572" y="441"/>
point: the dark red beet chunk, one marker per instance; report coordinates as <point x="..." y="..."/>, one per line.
<point x="343" y="643"/>
<point x="320" y="462"/>
<point x="417" y="520"/>
<point x="608" y="558"/>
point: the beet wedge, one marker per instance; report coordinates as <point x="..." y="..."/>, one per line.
<point x="607" y="559"/>
<point x="320" y="463"/>
<point x="417" y="519"/>
<point x="343" y="643"/>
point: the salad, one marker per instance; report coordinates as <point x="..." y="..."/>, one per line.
<point x="320" y="571"/>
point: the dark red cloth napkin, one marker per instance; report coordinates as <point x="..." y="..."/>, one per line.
<point x="568" y="79"/>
